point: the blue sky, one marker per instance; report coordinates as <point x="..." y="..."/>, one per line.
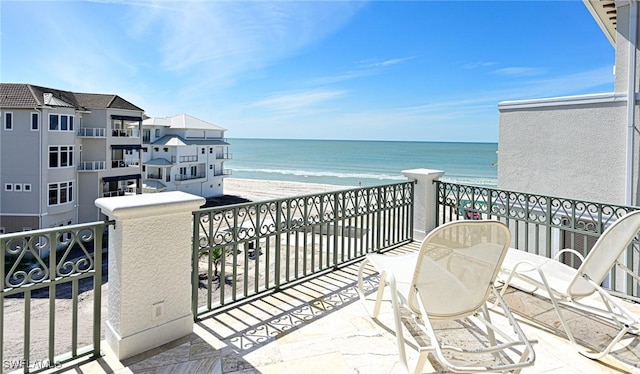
<point x="378" y="70"/>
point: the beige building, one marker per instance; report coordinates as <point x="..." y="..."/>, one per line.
<point x="586" y="147"/>
<point x="61" y="150"/>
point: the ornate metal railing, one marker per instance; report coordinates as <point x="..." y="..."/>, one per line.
<point x="541" y="224"/>
<point x="45" y="272"/>
<point x="244" y="250"/>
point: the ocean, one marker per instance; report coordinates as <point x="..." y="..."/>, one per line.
<point x="365" y="163"/>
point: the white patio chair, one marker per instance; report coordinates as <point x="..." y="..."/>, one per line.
<point x="564" y="285"/>
<point x="450" y="278"/>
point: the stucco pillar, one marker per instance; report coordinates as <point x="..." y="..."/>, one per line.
<point x="149" y="270"/>
<point x="424" y="207"/>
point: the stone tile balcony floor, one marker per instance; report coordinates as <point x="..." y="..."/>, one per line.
<point x="320" y="326"/>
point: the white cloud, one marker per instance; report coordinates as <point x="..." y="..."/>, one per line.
<point x="519" y="71"/>
<point x="297" y="101"/>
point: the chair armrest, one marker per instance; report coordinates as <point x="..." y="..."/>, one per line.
<point x="569" y="250"/>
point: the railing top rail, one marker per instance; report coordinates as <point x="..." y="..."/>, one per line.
<point x="297" y="197"/>
<point x="55" y="229"/>
<point x="547" y="197"/>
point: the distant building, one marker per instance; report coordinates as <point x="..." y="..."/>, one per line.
<point x="184" y="153"/>
<point x="60" y="150"/>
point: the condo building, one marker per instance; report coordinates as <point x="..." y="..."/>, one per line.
<point x="61" y="150"/>
<point x="184" y="153"/>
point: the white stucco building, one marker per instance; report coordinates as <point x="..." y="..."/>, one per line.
<point x="184" y="153"/>
<point x="584" y="147"/>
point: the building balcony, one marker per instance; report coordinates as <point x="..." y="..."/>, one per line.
<point x="223" y="156"/>
<point x="271" y="285"/>
<point x="91" y="165"/>
<point x="125" y="133"/>
<point x="188" y="177"/>
<point x="124" y="163"/>
<point x="88" y="132"/>
<point x="224" y="172"/>
<point x="184" y="159"/>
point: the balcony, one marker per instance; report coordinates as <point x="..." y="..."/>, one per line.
<point x="223" y="156"/>
<point x="184" y="159"/>
<point x="88" y="132"/>
<point x="225" y="172"/>
<point x="91" y="165"/>
<point x="188" y="177"/>
<point x="273" y="286"/>
<point x="124" y="163"/>
<point x="125" y="133"/>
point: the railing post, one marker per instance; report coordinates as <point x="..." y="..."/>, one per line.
<point x="150" y="268"/>
<point x="425" y="193"/>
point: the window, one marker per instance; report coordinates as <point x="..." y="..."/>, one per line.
<point x="17" y="187"/>
<point x="8" y="121"/>
<point x="210" y="150"/>
<point x="60" y="156"/>
<point x="8" y="187"/>
<point x="60" y="122"/>
<point x="165" y="149"/>
<point x="156" y="149"/>
<point x="26" y="187"/>
<point x="157" y="133"/>
<point x="210" y="167"/>
<point x="60" y="193"/>
<point x="202" y="150"/>
<point x="183" y="171"/>
<point x="145" y="150"/>
<point x="35" y="121"/>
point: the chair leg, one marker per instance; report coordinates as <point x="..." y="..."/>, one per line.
<point x="398" y="322"/>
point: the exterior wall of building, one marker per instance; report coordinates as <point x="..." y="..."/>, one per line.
<point x="205" y="158"/>
<point x="51" y="180"/>
<point x="571" y="147"/>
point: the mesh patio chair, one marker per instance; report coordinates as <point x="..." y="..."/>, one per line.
<point x="567" y="286"/>
<point x="451" y="278"/>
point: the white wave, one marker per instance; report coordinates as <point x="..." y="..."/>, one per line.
<point x="306" y="173"/>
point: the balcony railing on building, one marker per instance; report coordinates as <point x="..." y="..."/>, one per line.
<point x="224" y="172"/>
<point x="120" y="192"/>
<point x="89" y="132"/>
<point x="186" y="177"/>
<point x="223" y="156"/>
<point x="91" y="165"/>
<point x="124" y="163"/>
<point x="125" y="133"/>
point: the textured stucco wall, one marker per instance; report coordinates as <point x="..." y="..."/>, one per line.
<point x="573" y="148"/>
<point x="149" y="264"/>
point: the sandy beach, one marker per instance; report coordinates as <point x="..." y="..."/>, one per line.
<point x="251" y="189"/>
<point x="258" y="190"/>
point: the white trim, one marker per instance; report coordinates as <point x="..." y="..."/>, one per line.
<point x="4" y="121"/>
<point x="70" y="122"/>
<point x="70" y="196"/>
<point x="17" y="187"/>
<point x="26" y="187"/>
<point x="39" y="124"/>
<point x="8" y="187"/>
<point x="564" y="100"/>
<point x="69" y="151"/>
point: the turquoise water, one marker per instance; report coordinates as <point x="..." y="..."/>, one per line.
<point x="350" y="163"/>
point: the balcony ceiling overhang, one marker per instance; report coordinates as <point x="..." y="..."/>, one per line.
<point x="605" y="14"/>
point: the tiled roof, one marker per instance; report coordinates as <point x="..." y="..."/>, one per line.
<point x="20" y="95"/>
<point x="17" y="95"/>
